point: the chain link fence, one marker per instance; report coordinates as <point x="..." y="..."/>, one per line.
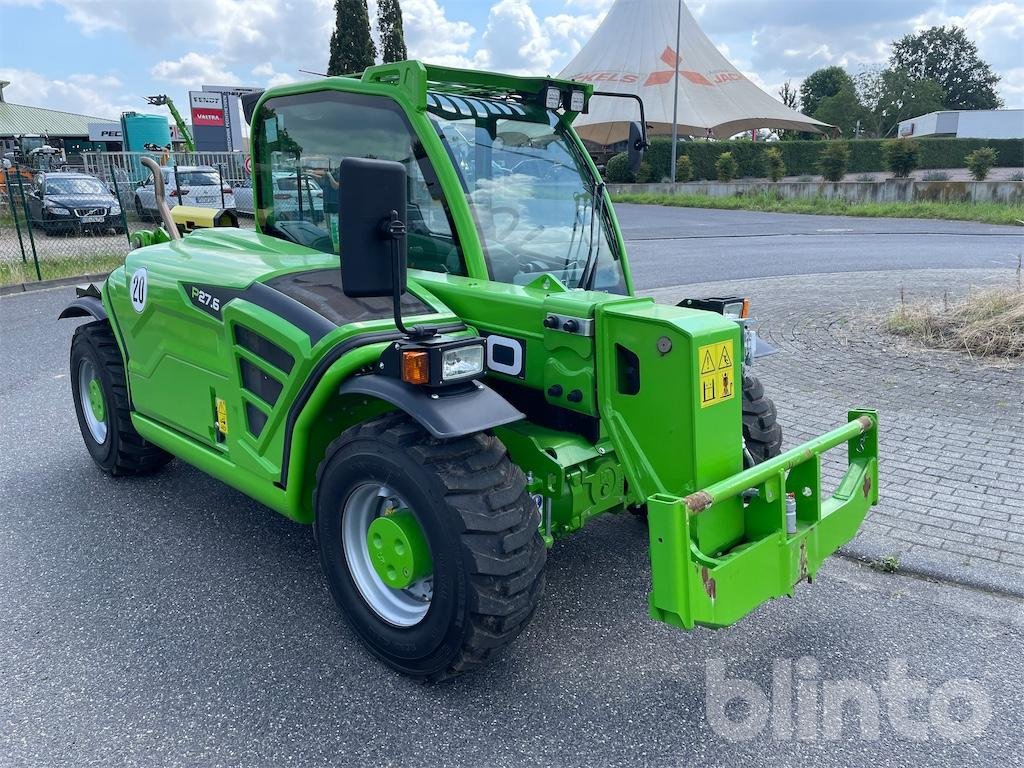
<point x="62" y="233"/>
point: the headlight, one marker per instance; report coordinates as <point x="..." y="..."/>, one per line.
<point x="115" y="210"/>
<point x="462" y="362"/>
<point x="577" y="101"/>
<point x="58" y="210"/>
<point x="552" y="97"/>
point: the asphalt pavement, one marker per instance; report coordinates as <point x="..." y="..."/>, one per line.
<point x="674" y="246"/>
<point x="170" y="621"/>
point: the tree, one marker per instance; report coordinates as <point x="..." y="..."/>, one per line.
<point x="892" y="95"/>
<point x="980" y="162"/>
<point x="834" y="160"/>
<point x="392" y="36"/>
<point x="842" y="110"/>
<point x="821" y="84"/>
<point x="774" y="165"/>
<point x="726" y="167"/>
<point x="901" y="156"/>
<point x="787" y="94"/>
<point x="352" y="48"/>
<point x="947" y="56"/>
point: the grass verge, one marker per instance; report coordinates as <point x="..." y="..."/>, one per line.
<point x="17" y="272"/>
<point x="987" y="213"/>
<point x="987" y="323"/>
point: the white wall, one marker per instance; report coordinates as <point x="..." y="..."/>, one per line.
<point x="967" y="124"/>
<point x="991" y="124"/>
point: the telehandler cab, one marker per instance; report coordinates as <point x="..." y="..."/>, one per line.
<point x="470" y="381"/>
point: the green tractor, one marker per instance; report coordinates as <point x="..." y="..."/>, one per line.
<point x="469" y="381"/>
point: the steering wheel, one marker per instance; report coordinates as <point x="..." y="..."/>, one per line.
<point x="502" y="210"/>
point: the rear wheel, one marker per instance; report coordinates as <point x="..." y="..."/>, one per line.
<point x="430" y="548"/>
<point x="100" y="394"/>
<point x="762" y="434"/>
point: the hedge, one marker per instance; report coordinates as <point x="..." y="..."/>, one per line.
<point x="801" y="157"/>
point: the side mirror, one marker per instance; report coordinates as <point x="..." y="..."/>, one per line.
<point x="371" y="229"/>
<point x="636" y="148"/>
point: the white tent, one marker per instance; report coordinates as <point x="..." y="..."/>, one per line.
<point x="634" y="51"/>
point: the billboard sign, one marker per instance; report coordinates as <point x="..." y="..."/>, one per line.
<point x="105" y="132"/>
<point x="210" y="126"/>
<point x="233" y="115"/>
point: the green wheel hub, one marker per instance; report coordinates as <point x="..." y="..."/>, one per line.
<point x="398" y="549"/>
<point x="99" y="408"/>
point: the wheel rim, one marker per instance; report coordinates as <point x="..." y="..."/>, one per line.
<point x="94" y="406"/>
<point x="400" y="607"/>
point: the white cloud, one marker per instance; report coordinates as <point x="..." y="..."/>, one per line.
<point x="431" y="36"/>
<point x="514" y="40"/>
<point x="84" y="94"/>
<point x="193" y="70"/>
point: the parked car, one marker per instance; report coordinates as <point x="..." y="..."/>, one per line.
<point x="198" y="185"/>
<point x="72" y="202"/>
<point x="286" y="197"/>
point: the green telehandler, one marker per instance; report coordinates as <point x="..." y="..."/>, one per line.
<point x="433" y="354"/>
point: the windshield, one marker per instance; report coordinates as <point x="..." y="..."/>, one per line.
<point x="531" y="194"/>
<point x="195" y="178"/>
<point x="75" y="187"/>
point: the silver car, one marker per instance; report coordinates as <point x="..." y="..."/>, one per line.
<point x="198" y="185"/>
<point x="286" y="197"/>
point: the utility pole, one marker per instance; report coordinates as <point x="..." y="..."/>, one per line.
<point x="675" y="95"/>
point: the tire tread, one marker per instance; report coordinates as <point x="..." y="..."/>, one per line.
<point x="500" y="537"/>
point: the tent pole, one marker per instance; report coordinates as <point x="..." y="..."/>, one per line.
<point x="675" y="95"/>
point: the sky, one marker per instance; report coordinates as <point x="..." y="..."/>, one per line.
<point x="101" y="57"/>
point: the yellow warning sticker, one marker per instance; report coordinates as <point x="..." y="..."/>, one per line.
<point x="717" y="374"/>
<point x="222" y="416"/>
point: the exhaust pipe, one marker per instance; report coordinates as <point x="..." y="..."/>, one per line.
<point x="161" y="200"/>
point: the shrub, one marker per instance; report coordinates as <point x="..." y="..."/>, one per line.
<point x="865" y="177"/>
<point x="801" y="157"/>
<point x="980" y="162"/>
<point x="726" y="167"/>
<point x="774" y="165"/>
<point x="618" y="171"/>
<point x="646" y="173"/>
<point x="834" y="160"/>
<point x="901" y="156"/>
<point x="684" y="169"/>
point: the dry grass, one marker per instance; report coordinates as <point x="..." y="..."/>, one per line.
<point x="985" y="323"/>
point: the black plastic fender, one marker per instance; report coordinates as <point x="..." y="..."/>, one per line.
<point x="463" y="411"/>
<point x="87" y="304"/>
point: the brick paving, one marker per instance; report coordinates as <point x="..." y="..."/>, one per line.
<point x="951" y="427"/>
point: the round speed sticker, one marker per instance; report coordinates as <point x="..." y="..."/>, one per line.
<point x="140" y="289"/>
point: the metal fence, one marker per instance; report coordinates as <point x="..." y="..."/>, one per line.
<point x="36" y="247"/>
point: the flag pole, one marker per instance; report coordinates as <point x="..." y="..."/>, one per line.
<point x="675" y="94"/>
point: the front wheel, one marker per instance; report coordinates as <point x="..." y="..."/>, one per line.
<point x="100" y="394"/>
<point x="762" y="434"/>
<point x="430" y="548"/>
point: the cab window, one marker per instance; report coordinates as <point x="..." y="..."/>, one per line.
<point x="300" y="143"/>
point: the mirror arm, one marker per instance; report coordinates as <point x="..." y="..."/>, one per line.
<point x="393" y="229"/>
<point x="643" y="116"/>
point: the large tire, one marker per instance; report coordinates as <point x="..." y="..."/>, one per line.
<point x="481" y="528"/>
<point x="762" y="434"/>
<point x="107" y="427"/>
